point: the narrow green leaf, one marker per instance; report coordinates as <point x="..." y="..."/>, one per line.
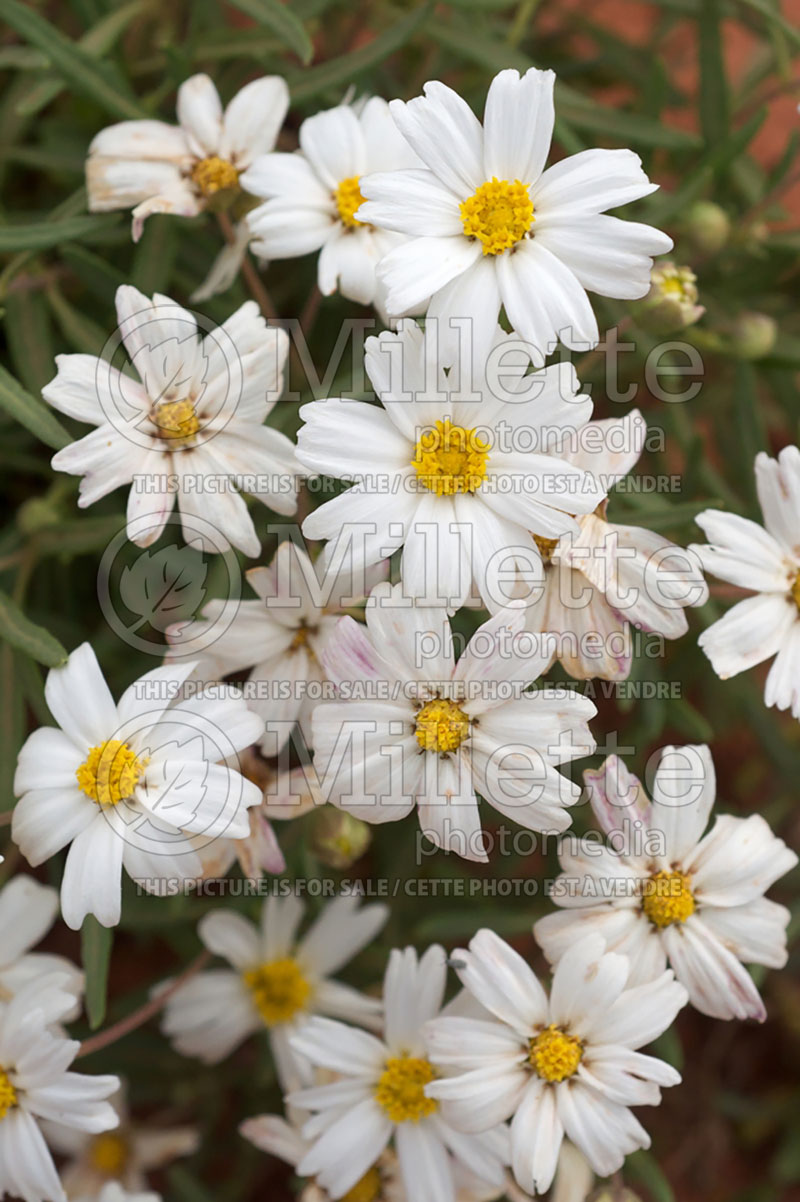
<point x="31" y="413"/>
<point x="97" y="42"/>
<point x="643" y="1166"/>
<point x="30" y="337"/>
<point x="26" y="636"/>
<point x="41" y="235"/>
<point x="96" y="943"/>
<point x="83" y="334"/>
<point x="346" y="69"/>
<point x="71" y="61"/>
<point x="713" y="101"/>
<point x="282" y="21"/>
<point x="775" y="17"/>
<point x="12" y="725"/>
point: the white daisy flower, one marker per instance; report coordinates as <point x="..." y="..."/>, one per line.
<point x="27" y="912"/>
<point x="490" y="227"/>
<point x="457" y="473"/>
<point x="608" y="578"/>
<point x="132" y="786"/>
<point x="312" y="196"/>
<point x="380" y="1095"/>
<point x="416" y="728"/>
<point x="279" y="638"/>
<point x="275" y="981"/>
<point x="191" y="427"/>
<point x="564" y="1065"/>
<point x="152" y="167"/>
<point x="662" y="891"/>
<point x="123" y="1156"/>
<point x="36" y="1085"/>
<point x="766" y="561"/>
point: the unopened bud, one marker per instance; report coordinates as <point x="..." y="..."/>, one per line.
<point x="753" y="335"/>
<point x="671" y="304"/>
<point x="337" y="838"/>
<point x="708" y="227"/>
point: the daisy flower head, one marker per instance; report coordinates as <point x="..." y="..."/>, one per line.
<point x="605" y="579"/>
<point x="151" y="167"/>
<point x="414" y="728"/>
<point x="122" y="1157"/>
<point x="766" y="561"/>
<point x="279" y="637"/>
<point x="379" y="1097"/>
<point x="27" y="912"/>
<point x="135" y="785"/>
<point x="311" y="197"/>
<point x="37" y="1086"/>
<point x="460" y="465"/>
<point x="563" y="1065"/>
<point x="190" y="427"/>
<point x="487" y="226"/>
<point x="663" y="891"/>
<point x="276" y="980"/>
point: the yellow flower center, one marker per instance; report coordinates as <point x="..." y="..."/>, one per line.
<point x="450" y="459"/>
<point x="499" y="214"/>
<point x="348" y="199"/>
<point x="795" y="590"/>
<point x="8" y="1094"/>
<point x="368" y="1189"/>
<point x="279" y="990"/>
<point x="300" y="637"/>
<point x="667" y="898"/>
<point x="441" y="726"/>
<point x="109" y="1154"/>
<point x="554" y="1054"/>
<point x="546" y="546"/>
<point x="213" y="174"/>
<point x="401" y="1089"/>
<point x="110" y="772"/>
<point x="177" y="422"/>
<point x="677" y="282"/>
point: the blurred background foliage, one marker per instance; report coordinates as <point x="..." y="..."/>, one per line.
<point x="706" y="92"/>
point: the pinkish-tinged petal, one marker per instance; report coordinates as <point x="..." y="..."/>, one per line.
<point x="616" y="796"/>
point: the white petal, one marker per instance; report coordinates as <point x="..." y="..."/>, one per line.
<point x="502" y="982"/>
<point x="778" y="484"/>
<point x="253" y="120"/>
<point x="231" y="936"/>
<point x="518" y="125"/>
<point x="718" y="984"/>
<point x="446" y="134"/>
<point x="592" y="181"/>
<point x="684" y="789"/>
<point x="421" y="266"/>
<point x="80" y="700"/>
<point x="92" y="882"/>
<point x="544" y="300"/>
<point x="27" y="911"/>
<point x="742" y="552"/>
<point x="749" y="633"/>
<point x="607" y="255"/>
<point x="200" y="114"/>
<point x="536" y="1138"/>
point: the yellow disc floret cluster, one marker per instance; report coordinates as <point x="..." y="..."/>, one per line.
<point x="279" y="988"/>
<point x="441" y="726"/>
<point x="177" y="422"/>
<point x="554" y="1054"/>
<point x="213" y="174"/>
<point x="450" y="459"/>
<point x="667" y="898"/>
<point x="499" y="214"/>
<point x="546" y="546"/>
<point x="348" y="200"/>
<point x="401" y="1089"/>
<point x="8" y="1094"/>
<point x="109" y="1154"/>
<point x="368" y="1189"/>
<point x="110" y="772"/>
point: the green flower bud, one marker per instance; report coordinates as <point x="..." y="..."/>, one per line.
<point x="337" y="838"/>
<point x="708" y="227"/>
<point x="671" y="304"/>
